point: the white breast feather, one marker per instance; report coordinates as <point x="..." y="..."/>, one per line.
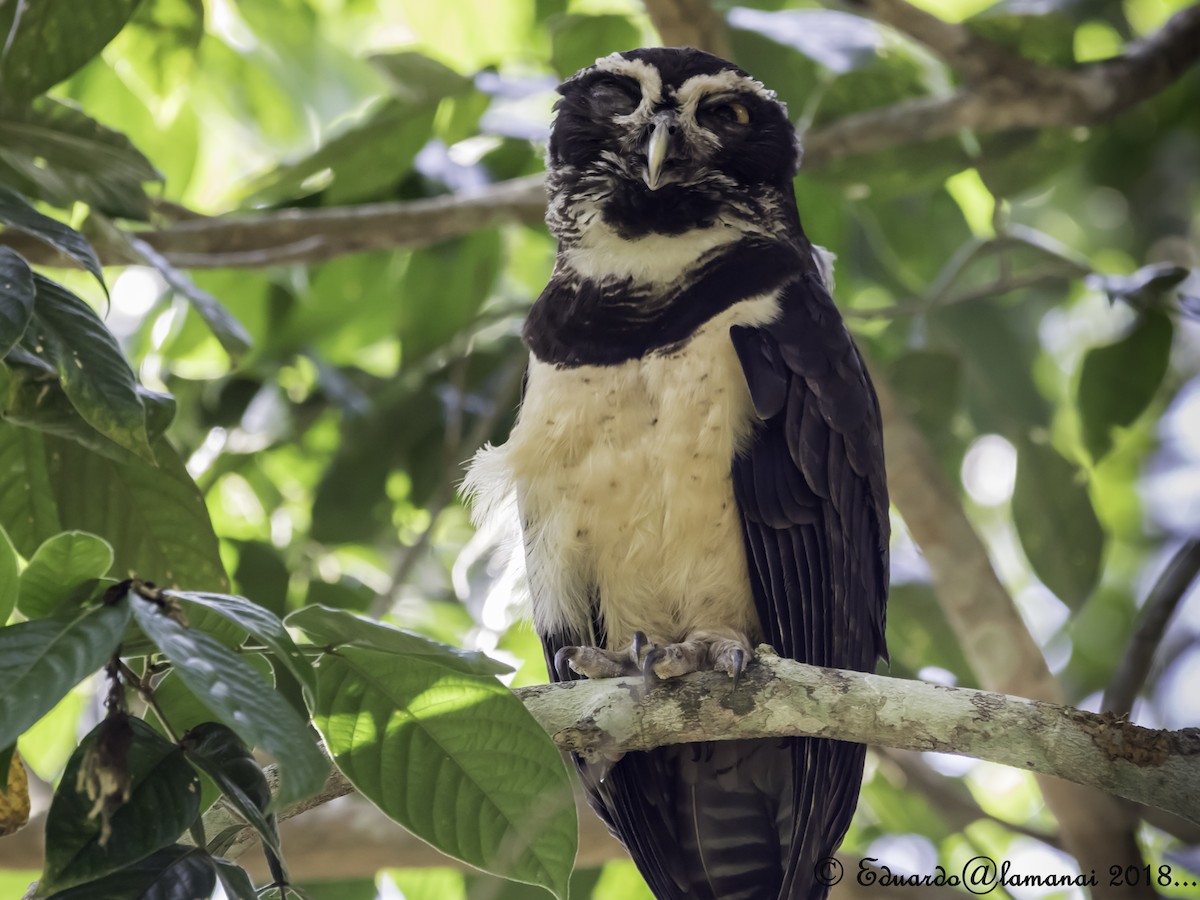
<point x="622" y="476"/>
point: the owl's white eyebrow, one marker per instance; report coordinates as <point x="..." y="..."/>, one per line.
<point x="643" y="73"/>
<point x="692" y="91"/>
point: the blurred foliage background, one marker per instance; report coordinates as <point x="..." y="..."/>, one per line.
<point x="1029" y="294"/>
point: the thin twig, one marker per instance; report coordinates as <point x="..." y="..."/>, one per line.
<point x="1171" y="587"/>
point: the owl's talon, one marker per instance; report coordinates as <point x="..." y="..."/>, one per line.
<point x="640" y="643"/>
<point x="562" y="662"/>
<point x="739" y="666"/>
<point x="648" y="674"/>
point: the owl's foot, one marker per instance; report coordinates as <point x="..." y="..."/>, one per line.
<point x="596" y="662"/>
<point x="728" y="652"/>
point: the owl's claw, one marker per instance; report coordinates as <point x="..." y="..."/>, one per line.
<point x="562" y="663"/>
<point x="648" y="674"/>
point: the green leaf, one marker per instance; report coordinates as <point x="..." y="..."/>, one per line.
<point x="454" y="758"/>
<point x="177" y="872"/>
<point x="1043" y="31"/>
<point x="9" y="579"/>
<point x="68" y="334"/>
<point x="15" y="212"/>
<point x="577" y="40"/>
<point x="336" y="628"/>
<point x="41" y="660"/>
<point x="930" y="385"/>
<point x="444" y="287"/>
<point x="1118" y="381"/>
<point x="359" y="163"/>
<point x="241" y="698"/>
<point x="164" y="800"/>
<point x="234" y="880"/>
<point x="16" y="298"/>
<point x="262" y="624"/>
<point x="224" y="757"/>
<point x="155" y="518"/>
<point x="27" y="508"/>
<point x="35" y="399"/>
<point x="63" y="572"/>
<point x="420" y="79"/>
<point x="53" y="38"/>
<point x="1059" y="531"/>
<point x="57" y="153"/>
<point x="837" y="41"/>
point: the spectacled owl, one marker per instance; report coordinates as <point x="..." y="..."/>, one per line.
<point x="697" y="462"/>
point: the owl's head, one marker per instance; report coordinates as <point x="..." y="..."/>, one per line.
<point x="666" y="140"/>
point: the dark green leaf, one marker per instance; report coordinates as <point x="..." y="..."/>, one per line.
<point x="1059" y="531"/>
<point x="241" y="698"/>
<point x="41" y="660"/>
<point x="173" y="873"/>
<point x="345" y="593"/>
<point x="1118" y="381"/>
<point x="55" y="152"/>
<point x="501" y="800"/>
<point x="579" y="40"/>
<point x="919" y="635"/>
<point x="337" y="628"/>
<point x="262" y="576"/>
<point x="15" y="212"/>
<point x="234" y="880"/>
<point x="930" y="385"/>
<point x="27" y="508"/>
<point x="261" y="623"/>
<point x="155" y="518"/>
<point x="53" y="38"/>
<point x="225" y="758"/>
<point x="164" y="800"/>
<point x="68" y="334"/>
<point x="16" y="298"/>
<point x="63" y="572"/>
<point x="9" y="580"/>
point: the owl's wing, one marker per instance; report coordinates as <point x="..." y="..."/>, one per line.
<point x="813" y="500"/>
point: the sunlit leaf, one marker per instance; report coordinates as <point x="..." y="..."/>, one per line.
<point x="9" y="579"/>
<point x="154" y="518"/>
<point x="63" y="571"/>
<point x="240" y="697"/>
<point x="41" y="660"/>
<point x="1119" y="380"/>
<point x="1056" y="522"/>
<point x="456" y="759"/>
<point x="336" y="628"/>
<point x="163" y="800"/>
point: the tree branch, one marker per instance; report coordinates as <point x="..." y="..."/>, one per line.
<point x="1040" y="98"/>
<point x="1095" y="828"/>
<point x="1172" y="585"/>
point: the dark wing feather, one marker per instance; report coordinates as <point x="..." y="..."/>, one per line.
<point x="812" y="493"/>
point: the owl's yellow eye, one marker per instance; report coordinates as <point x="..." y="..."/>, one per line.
<point x="741" y="115"/>
<point x="728" y="111"/>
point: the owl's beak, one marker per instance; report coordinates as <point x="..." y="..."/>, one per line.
<point x="658" y="148"/>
